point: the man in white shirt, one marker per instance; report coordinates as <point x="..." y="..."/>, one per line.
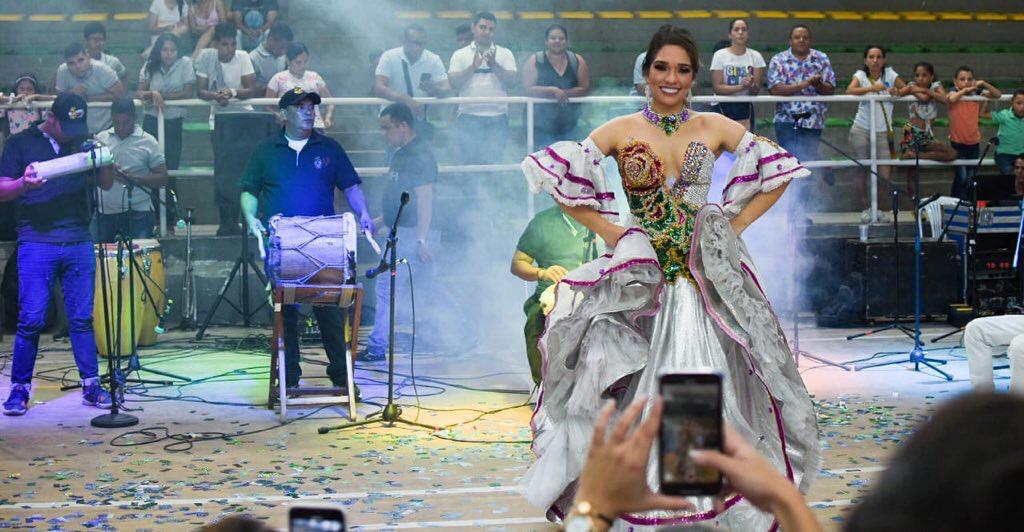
<point x="411" y="71"/>
<point x="482" y="69"/>
<point x="95" y="34"/>
<point x="225" y="75"/>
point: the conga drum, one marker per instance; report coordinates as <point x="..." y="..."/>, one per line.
<point x="149" y="278"/>
<point x="312" y="250"/>
<point x="121" y="330"/>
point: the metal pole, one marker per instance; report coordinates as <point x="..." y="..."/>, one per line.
<point x="872" y="119"/>
<point x="161" y="140"/>
<point x="530" y="207"/>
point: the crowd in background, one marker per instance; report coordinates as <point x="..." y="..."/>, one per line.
<point x="242" y="50"/>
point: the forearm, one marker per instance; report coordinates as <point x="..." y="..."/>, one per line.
<point x="792" y="513"/>
<point x="525" y="270"/>
<point x="10" y="189"/>
<point x="576" y="92"/>
<point x="458" y="79"/>
<point x="185" y="93"/>
<point x="356" y="199"/>
<point x="826" y="89"/>
<point x="156" y="178"/>
<point x="783" y="89"/>
<point x="249" y="204"/>
<point x="758" y="205"/>
<point x="388" y="93"/>
<point x="105" y="178"/>
<point x="540" y="91"/>
<point x="594" y="221"/>
<point x="727" y="90"/>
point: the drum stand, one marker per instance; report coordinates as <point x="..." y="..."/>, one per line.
<point x="188" y="289"/>
<point x="391" y="413"/>
<point x="243" y="263"/>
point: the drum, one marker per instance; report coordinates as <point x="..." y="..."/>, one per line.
<point x="149" y="271"/>
<point x="312" y="250"/>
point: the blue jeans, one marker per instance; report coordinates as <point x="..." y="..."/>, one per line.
<point x="962" y="174"/>
<point x="38" y="264"/>
<point x="421" y="271"/>
<point x="1004" y="161"/>
<point x="107" y="226"/>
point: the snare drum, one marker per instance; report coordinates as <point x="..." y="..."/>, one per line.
<point x="148" y="271"/>
<point x="312" y="250"/>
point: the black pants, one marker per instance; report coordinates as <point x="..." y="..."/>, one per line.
<point x="172" y="154"/>
<point x="331" y="321"/>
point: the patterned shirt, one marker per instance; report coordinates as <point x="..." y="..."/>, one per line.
<point x="786" y="69"/>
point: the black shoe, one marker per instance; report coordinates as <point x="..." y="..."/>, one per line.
<point x="344" y="389"/>
<point x="229" y="230"/>
<point x="369" y="355"/>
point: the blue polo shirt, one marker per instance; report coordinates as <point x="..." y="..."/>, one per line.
<point x="298" y="185"/>
<point x="58" y="211"/>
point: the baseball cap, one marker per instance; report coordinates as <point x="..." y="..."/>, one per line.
<point x="297" y="95"/>
<point x="70" y="110"/>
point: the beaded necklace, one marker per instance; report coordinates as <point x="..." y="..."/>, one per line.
<point x="667" y="123"/>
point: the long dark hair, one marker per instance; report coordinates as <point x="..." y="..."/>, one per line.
<point x="153" y="62"/>
<point x="668" y="35"/>
<point x="885" y="55"/>
<point x="927" y="66"/>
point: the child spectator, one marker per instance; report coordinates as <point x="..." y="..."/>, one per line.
<point x="1011" y="133"/>
<point x="917" y="134"/>
<point x="26" y="91"/>
<point x="964" y="134"/>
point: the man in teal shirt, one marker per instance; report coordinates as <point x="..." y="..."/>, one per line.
<point x="552" y="244"/>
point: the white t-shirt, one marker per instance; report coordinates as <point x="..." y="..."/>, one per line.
<point x="166" y="16"/>
<point x="231" y="72"/>
<point x="284" y="81"/>
<point x="483" y="82"/>
<point x="390" y="66"/>
<point x="863" y="120"/>
<point x="737" y="67"/>
<point x="297" y="145"/>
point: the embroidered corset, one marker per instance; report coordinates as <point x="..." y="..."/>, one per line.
<point x="666" y="209"/>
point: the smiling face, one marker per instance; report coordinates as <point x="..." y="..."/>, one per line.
<point x="556" y="41"/>
<point x="25" y="87"/>
<point x="800" y="41"/>
<point x="670" y="77"/>
<point x="739" y="34"/>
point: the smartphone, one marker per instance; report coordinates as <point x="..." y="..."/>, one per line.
<point x="316" y="519"/>
<point x="425" y="77"/>
<point x="691" y="419"/>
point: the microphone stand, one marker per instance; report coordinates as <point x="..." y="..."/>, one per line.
<point x="917" y="354"/>
<point x="391" y="413"/>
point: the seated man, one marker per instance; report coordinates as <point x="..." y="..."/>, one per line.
<point x="984" y="338"/>
<point x="557" y="243"/>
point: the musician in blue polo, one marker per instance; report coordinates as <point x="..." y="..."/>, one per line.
<point x="53" y="242"/>
<point x="295" y="173"/>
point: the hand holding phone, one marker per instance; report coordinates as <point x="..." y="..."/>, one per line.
<point x="691" y="421"/>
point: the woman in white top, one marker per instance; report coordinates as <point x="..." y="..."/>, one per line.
<point x="737" y="71"/>
<point x="298" y="75"/>
<point x="874" y="78"/>
<point x="166" y="16"/>
<point x="203" y="17"/>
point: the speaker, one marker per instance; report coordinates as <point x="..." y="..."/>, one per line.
<point x="876" y="263"/>
<point x="234" y="137"/>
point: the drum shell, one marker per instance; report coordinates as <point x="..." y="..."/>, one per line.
<point x="312" y="250"/>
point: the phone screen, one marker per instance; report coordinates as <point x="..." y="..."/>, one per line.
<point x="425" y="77"/>
<point x="313" y="519"/>
<point x="692" y="419"/>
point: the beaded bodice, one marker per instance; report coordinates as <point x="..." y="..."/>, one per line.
<point x="666" y="208"/>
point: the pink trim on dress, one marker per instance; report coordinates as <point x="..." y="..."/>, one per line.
<point x="691" y="518"/>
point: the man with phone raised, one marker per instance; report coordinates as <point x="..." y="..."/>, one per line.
<point x="411" y="71"/>
<point x="482" y="69"/>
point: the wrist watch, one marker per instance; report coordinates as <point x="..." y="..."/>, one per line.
<point x="585" y="518"/>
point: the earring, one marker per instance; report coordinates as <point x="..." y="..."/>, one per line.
<point x="647" y="94"/>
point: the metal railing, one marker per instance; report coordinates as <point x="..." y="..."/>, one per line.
<point x="873" y="162"/>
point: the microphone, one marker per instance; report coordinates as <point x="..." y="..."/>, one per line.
<point x="90" y="145"/>
<point x="159" y="329"/>
<point x="405" y="197"/>
<point x="381" y="268"/>
<point x="994" y="141"/>
<point x="928" y="200"/>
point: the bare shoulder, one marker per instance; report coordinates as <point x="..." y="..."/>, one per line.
<point x="719" y="132"/>
<point x="610" y="135"/>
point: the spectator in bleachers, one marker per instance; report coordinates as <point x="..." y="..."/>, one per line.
<point x="138" y="159"/>
<point x="800" y="70"/>
<point x="639" y="87"/>
<point x="964" y="134"/>
<point x="737" y="71"/>
<point x="1018" y="174"/>
<point x="95" y="43"/>
<point x="166" y="16"/>
<point x="225" y="73"/>
<point x="253" y="18"/>
<point x="411" y="71"/>
<point x="559" y="74"/>
<point x="26" y="91"/>
<point x="299" y="76"/>
<point x="166" y="76"/>
<point x="1011" y="133"/>
<point x="874" y="78"/>
<point x="203" y="17"/>
<point x="268" y="58"/>
<point x="91" y="79"/>
<point x="463" y="35"/>
<point x="917" y="134"/>
<point x="482" y="69"/>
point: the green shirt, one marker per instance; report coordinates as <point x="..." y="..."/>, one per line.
<point x="1011" y="132"/>
<point x="555" y="238"/>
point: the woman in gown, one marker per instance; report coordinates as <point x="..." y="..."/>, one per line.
<point x="677" y="289"/>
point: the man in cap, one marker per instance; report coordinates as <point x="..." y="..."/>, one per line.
<point x="295" y="174"/>
<point x="53" y="241"/>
